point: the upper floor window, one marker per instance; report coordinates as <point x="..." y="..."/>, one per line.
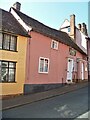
<point x="8" y="42"/>
<point x="68" y="29"/>
<point x="54" y="44"/>
<point x="7" y="71"/>
<point x="43" y="65"/>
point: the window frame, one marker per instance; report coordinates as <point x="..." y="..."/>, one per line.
<point x="56" y="42"/>
<point x="43" y="65"/>
<point x="9" y="68"/>
<point x="11" y="36"/>
<point x="1" y="40"/>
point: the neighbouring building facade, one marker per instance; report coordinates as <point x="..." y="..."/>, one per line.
<point x="78" y="35"/>
<point x="43" y="58"/>
<point x="53" y="58"/>
<point x="13" y="42"/>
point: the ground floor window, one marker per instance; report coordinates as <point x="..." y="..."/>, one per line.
<point x="43" y="65"/>
<point x="7" y="71"/>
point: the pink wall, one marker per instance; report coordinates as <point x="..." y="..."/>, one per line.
<point x="40" y="46"/>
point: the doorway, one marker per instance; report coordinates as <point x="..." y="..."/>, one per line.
<point x="82" y="71"/>
<point x="69" y="70"/>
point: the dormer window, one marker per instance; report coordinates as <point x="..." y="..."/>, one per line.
<point x="54" y="44"/>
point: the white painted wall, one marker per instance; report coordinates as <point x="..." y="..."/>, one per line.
<point x="81" y="41"/>
<point x="80" y="37"/>
<point x="65" y="23"/>
<point x="26" y="27"/>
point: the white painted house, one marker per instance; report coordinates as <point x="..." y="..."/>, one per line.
<point x="78" y="34"/>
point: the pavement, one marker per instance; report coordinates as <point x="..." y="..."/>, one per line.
<point x="85" y="115"/>
<point x="30" y="98"/>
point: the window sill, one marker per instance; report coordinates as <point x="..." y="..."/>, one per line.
<point x="8" y="82"/>
<point x="54" y="48"/>
<point x="9" y="50"/>
<point x="43" y="72"/>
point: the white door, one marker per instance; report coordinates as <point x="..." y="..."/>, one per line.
<point x="69" y="70"/>
<point x="82" y="71"/>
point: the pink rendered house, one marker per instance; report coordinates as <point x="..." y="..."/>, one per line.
<point x="53" y="58"/>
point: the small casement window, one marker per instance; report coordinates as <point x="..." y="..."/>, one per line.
<point x="68" y="29"/>
<point x="43" y="65"/>
<point x="0" y="40"/>
<point x="54" y="44"/>
<point x="8" y="42"/>
<point x="7" y="71"/>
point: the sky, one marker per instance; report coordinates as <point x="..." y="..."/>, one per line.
<point x="52" y="13"/>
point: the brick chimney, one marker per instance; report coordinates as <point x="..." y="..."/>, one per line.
<point x="72" y="26"/>
<point x="17" y="6"/>
<point x="84" y="28"/>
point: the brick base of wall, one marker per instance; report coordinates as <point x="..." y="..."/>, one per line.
<point x="79" y="80"/>
<point x="33" y="88"/>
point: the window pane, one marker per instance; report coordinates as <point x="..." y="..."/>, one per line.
<point x="4" y="74"/>
<point x="0" y="40"/>
<point x="0" y="70"/>
<point x="13" y="43"/>
<point x="11" y="65"/>
<point x="68" y="29"/>
<point x="46" y="66"/>
<point x="53" y="44"/>
<point x="11" y="75"/>
<point x="4" y="71"/>
<point x="4" y="64"/>
<point x="41" y="65"/>
<point x="6" y="42"/>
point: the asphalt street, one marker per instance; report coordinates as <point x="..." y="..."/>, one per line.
<point x="69" y="105"/>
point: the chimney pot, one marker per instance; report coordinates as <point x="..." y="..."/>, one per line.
<point x="79" y="26"/>
<point x="83" y="24"/>
<point x="17" y="6"/>
<point x="84" y="28"/>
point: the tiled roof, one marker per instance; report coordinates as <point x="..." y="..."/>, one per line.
<point x="9" y="24"/>
<point x="47" y="31"/>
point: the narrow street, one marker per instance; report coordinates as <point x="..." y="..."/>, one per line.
<point x="70" y="105"/>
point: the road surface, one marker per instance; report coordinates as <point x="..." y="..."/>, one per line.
<point x="69" y="105"/>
